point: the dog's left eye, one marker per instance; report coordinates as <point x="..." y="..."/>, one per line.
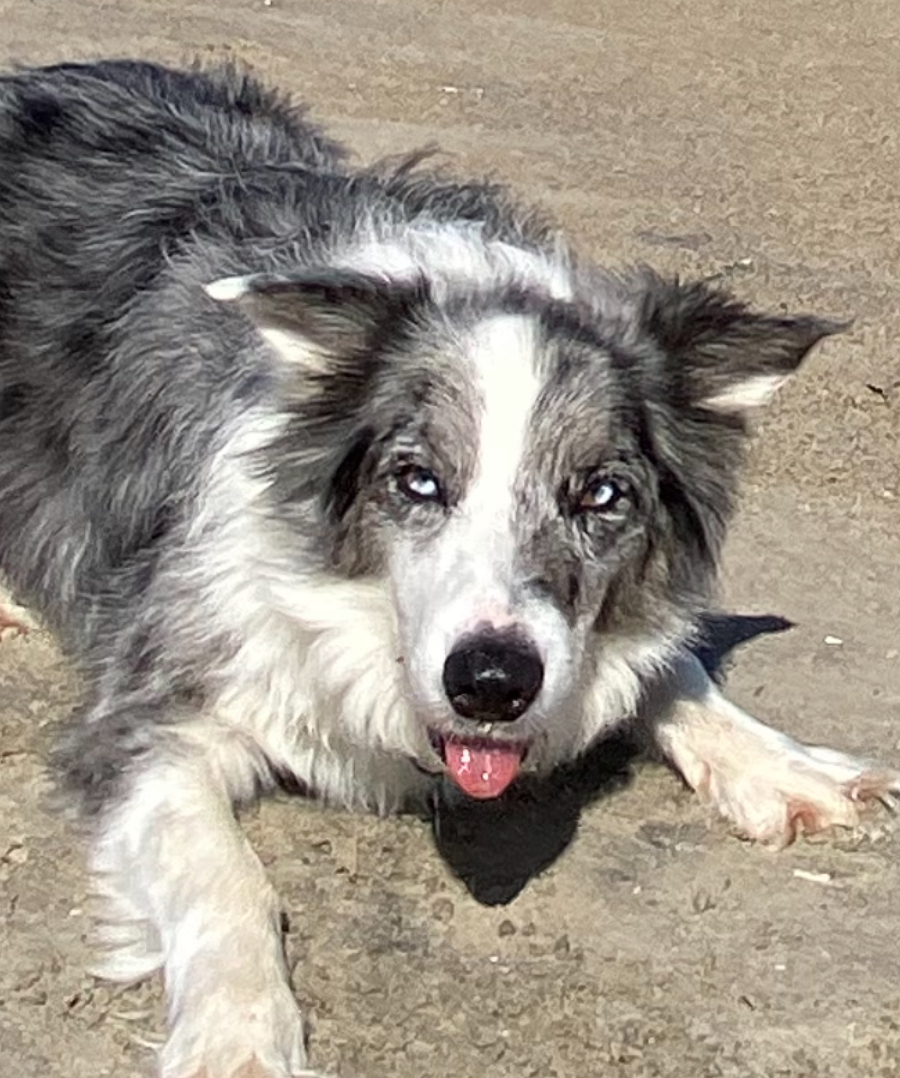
<point x="603" y="494"/>
<point x="419" y="485"/>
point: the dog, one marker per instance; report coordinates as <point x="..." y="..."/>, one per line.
<point x="354" y="477"/>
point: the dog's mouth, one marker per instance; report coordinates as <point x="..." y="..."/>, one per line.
<point x="482" y="768"/>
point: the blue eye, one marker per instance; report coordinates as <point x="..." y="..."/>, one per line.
<point x="419" y="485"/>
<point x="603" y="494"/>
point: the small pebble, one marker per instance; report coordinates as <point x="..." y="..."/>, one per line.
<point x="442" y="910"/>
<point x="812" y="877"/>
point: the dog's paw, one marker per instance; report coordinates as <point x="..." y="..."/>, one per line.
<point x="777" y="789"/>
<point x="228" y="1036"/>
<point x="771" y="787"/>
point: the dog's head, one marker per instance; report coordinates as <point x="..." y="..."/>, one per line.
<point x="540" y="474"/>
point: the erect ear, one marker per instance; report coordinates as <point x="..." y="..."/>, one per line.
<point x="720" y="355"/>
<point x="318" y="312"/>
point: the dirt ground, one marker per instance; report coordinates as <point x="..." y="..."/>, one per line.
<point x="753" y="140"/>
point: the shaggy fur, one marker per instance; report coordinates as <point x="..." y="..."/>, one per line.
<point x="350" y="476"/>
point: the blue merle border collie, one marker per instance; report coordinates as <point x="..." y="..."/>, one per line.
<point x="356" y="476"/>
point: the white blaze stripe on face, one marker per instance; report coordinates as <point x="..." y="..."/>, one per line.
<point x="503" y="353"/>
<point x="468" y="577"/>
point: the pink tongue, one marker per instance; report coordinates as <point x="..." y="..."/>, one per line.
<point x="480" y="769"/>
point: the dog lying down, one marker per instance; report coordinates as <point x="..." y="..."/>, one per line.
<point x="356" y="477"/>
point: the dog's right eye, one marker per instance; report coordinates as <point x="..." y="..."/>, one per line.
<point x="419" y="485"/>
<point x="602" y="494"/>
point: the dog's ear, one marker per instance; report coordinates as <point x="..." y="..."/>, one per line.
<point x="720" y="355"/>
<point x="315" y="313"/>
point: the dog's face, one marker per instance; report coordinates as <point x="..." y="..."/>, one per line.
<point x="542" y="481"/>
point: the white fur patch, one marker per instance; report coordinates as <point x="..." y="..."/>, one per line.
<point x="228" y="289"/>
<point x="747" y="395"/>
<point x="456" y="253"/>
<point x="315" y="680"/>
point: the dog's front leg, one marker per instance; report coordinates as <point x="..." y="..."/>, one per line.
<point x="770" y="786"/>
<point x="185" y="891"/>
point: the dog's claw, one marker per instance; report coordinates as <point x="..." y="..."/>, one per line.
<point x="880" y="786"/>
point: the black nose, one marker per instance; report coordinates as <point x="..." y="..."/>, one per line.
<point x="493" y="677"/>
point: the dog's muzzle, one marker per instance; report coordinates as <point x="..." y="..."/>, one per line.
<point x="490" y="678"/>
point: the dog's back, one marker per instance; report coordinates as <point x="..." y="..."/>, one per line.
<point x="128" y="112"/>
<point x="106" y="170"/>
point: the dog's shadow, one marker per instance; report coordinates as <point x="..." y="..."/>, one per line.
<point x="495" y="847"/>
